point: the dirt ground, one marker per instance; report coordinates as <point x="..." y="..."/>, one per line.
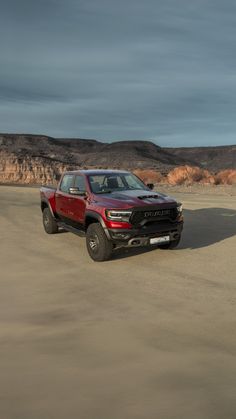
<point x="147" y="335"/>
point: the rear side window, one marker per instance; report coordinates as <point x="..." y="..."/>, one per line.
<point x="66" y="183"/>
<point x="80" y="183"/>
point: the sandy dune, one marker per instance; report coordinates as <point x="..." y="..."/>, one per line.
<point x="147" y="335"/>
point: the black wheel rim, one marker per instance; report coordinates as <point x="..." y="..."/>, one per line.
<point x="46" y="220"/>
<point x="93" y="243"/>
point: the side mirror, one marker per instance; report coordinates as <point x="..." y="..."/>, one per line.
<point x="76" y="191"/>
<point x="150" y="186"/>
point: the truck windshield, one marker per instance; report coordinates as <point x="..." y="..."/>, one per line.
<point x="107" y="183"/>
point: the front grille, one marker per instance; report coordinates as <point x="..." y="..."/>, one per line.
<point x="153" y="215"/>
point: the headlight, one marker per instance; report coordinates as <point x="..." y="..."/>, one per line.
<point x="180" y="208"/>
<point x="118" y="215"/>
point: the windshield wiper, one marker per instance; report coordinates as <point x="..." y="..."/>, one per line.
<point x="103" y="192"/>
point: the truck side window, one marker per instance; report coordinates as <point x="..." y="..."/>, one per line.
<point x="66" y="183"/>
<point x="80" y="183"/>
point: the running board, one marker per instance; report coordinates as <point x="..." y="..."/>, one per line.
<point x="71" y="229"/>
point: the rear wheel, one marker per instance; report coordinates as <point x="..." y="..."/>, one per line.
<point x="98" y="245"/>
<point x="171" y="245"/>
<point x="49" y="222"/>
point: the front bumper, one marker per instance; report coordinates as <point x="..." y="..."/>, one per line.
<point x="141" y="236"/>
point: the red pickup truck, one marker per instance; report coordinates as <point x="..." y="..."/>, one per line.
<point x="113" y="209"/>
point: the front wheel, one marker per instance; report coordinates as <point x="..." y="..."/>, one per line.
<point x="49" y="222"/>
<point x="98" y="245"/>
<point x="171" y="245"/>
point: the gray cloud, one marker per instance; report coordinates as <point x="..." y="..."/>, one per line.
<point x="117" y="70"/>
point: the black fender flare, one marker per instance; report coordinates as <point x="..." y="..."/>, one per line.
<point x="98" y="217"/>
<point x="45" y="201"/>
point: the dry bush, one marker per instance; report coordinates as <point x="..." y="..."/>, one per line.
<point x="149" y="176"/>
<point x="188" y="175"/>
<point x="226" y="177"/>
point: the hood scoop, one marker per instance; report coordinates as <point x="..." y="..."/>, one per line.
<point x="149" y="196"/>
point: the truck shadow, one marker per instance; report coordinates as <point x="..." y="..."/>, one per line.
<point x="206" y="226"/>
<point x="202" y="227"/>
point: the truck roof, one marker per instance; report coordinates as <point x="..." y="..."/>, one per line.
<point x="96" y="171"/>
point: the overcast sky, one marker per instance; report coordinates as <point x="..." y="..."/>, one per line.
<point x="163" y="70"/>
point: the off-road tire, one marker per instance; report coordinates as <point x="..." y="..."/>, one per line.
<point x="171" y="245"/>
<point x="98" y="245"/>
<point x="49" y="223"/>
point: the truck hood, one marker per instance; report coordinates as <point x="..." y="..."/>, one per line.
<point x="132" y="198"/>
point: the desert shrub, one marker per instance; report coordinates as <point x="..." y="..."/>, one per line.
<point x="225" y="177"/>
<point x="149" y="176"/>
<point x="207" y="178"/>
<point x="188" y="175"/>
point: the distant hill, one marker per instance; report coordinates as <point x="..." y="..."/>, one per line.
<point x="38" y="158"/>
<point x="211" y="158"/>
<point x="80" y="152"/>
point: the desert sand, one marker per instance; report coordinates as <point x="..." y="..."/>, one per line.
<point x="147" y="335"/>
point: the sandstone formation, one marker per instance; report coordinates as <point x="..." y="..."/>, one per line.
<point x="28" y="170"/>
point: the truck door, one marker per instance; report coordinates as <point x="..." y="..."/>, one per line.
<point x="78" y="203"/>
<point x="63" y="198"/>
